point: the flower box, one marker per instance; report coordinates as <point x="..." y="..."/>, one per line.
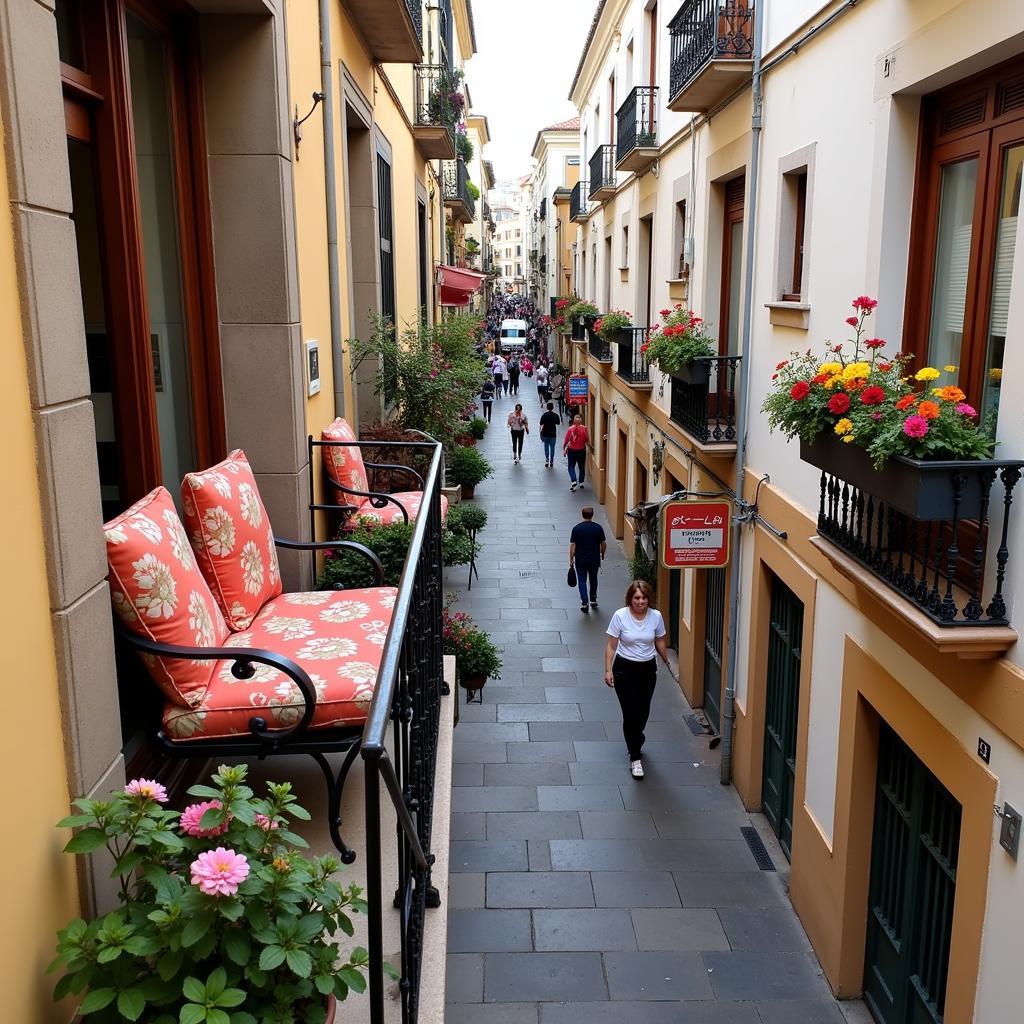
<point x="697" y="371"/>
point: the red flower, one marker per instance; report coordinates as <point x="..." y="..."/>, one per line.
<point x="864" y="303"/>
<point x="785" y="362"/>
<point x="837" y="348"/>
<point x="906" y="402"/>
<point x="801" y="389"/>
<point x="885" y="367"/>
<point x="839" y="403"/>
<point x="852" y="321"/>
<point x="820" y="378"/>
<point x="872" y="396"/>
<point x="874" y="343"/>
<point x="643" y="348"/>
<point x="664" y="312"/>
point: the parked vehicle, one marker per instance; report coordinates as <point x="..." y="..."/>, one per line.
<point x="512" y="336"/>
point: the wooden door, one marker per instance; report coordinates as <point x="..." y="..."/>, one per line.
<point x="714" y="642"/>
<point x="732" y="267"/>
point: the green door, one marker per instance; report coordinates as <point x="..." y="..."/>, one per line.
<point x="674" y="582"/>
<point x="913" y="886"/>
<point x="782" y="697"/>
<point x="714" y="631"/>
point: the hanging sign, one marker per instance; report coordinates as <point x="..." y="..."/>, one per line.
<point x="578" y="392"/>
<point x="695" y="534"/>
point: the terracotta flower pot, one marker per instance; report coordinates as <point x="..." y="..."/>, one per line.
<point x="472" y="682"/>
<point x="467" y="491"/>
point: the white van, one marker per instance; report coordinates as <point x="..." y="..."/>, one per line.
<point x="513" y="335"/>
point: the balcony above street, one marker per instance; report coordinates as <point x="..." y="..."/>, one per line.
<point x="457" y="196"/>
<point x="636" y="145"/>
<point x="711" y="52"/>
<point x="392" y="28"/>
<point x="579" y="203"/>
<point x="631" y="363"/>
<point x="704" y="404"/>
<point x="602" y="173"/>
<point x="434" y="135"/>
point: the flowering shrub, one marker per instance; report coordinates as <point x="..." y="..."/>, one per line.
<point x="678" y="340"/>
<point x="474" y="651"/>
<point x="873" y="401"/>
<point x="221" y="919"/>
<point x="613" y="322"/>
<point x="580" y="308"/>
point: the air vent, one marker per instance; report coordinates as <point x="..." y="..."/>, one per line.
<point x="963" y="116"/>
<point x="757" y="848"/>
<point x="1011" y="96"/>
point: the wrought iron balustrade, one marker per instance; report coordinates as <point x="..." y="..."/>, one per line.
<point x="706" y="30"/>
<point x="543" y="213"/>
<point x="631" y="363"/>
<point x="602" y="170"/>
<point x="637" y="122"/>
<point x="433" y="85"/>
<point x="456" y="187"/>
<point x="578" y="200"/>
<point x="416" y="13"/>
<point x="705" y="406"/>
<point x="600" y="349"/>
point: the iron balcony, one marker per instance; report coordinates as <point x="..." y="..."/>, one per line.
<point x="631" y="364"/>
<point x="392" y="28"/>
<point x="602" y="173"/>
<point x="457" y="196"/>
<point x="636" y="147"/>
<point x="600" y="349"/>
<point x="578" y="202"/>
<point x="705" y="405"/>
<point x="434" y="135"/>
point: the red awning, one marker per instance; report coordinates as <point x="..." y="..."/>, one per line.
<point x="457" y="284"/>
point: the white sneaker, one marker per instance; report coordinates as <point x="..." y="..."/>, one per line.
<point x="636" y="769"/>
<point x="573" y="488"/>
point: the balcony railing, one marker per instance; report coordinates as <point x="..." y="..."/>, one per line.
<point x="600" y="349"/>
<point x="705" y="407"/>
<point x="711" y="48"/>
<point x="578" y="201"/>
<point x="631" y="363"/>
<point x="434" y="115"/>
<point x="637" y="129"/>
<point x="415" y="9"/>
<point x="456" y="191"/>
<point x="543" y="213"/>
<point x="602" y="172"/>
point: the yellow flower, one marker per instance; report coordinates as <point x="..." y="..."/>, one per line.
<point x="844" y="426"/>
<point x="835" y="382"/>
<point x="830" y="368"/>
<point x="950" y="368"/>
<point x="856" y="371"/>
<point x="848" y="439"/>
<point x="926" y="373"/>
<point x="996" y="373"/>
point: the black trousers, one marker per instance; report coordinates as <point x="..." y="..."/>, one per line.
<point x="487" y="409"/>
<point x="517" y="442"/>
<point x="634" y="686"/>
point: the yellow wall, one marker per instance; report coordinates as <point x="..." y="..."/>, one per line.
<point x="40" y="894"/>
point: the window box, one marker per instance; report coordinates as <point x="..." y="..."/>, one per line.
<point x="789" y="314"/>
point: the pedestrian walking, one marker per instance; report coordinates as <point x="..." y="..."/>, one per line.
<point x="519" y="427"/>
<point x="513" y="376"/>
<point x="587" y="546"/>
<point x="487" y="398"/>
<point x="636" y="633"/>
<point x="527" y="366"/>
<point x="498" y="369"/>
<point x="574" y="447"/>
<point x="550" y="421"/>
<point x="542" y="383"/>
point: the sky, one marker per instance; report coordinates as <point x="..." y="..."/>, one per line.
<point x="527" y="53"/>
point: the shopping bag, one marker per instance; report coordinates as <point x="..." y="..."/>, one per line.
<point x="570" y="577"/>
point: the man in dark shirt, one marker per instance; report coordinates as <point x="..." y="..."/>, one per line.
<point x="586" y="548"/>
<point x="549" y="423"/>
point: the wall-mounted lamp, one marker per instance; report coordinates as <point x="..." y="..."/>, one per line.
<point x="657" y="458"/>
<point x="297" y="122"/>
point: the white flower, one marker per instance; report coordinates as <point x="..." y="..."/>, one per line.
<point x="252" y="568"/>
<point x="288" y="628"/>
<point x="240" y="614"/>
<point x="376" y="631"/>
<point x="273" y="568"/>
<point x="345" y="611"/>
<point x="310" y="597"/>
<point x="116" y="535"/>
<point x="327" y="648"/>
<point x="362" y="672"/>
<point x="146" y="527"/>
<point x="250" y="505"/>
<point x="179" y="542"/>
<point x="387" y="600"/>
<point x="157" y="593"/>
<point x="200" y="620"/>
<point x="181" y="727"/>
<point x="220" y="531"/>
<point x="220" y="482"/>
<point x="363" y="695"/>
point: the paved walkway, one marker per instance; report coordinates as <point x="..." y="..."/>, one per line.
<point x="576" y="893"/>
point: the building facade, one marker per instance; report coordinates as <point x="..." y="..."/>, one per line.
<point x="889" y="152"/>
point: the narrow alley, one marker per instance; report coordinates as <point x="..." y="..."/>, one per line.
<point x="576" y="893"/>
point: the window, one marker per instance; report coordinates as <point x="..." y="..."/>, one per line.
<point x="680" y="269"/>
<point x="792" y="231"/>
<point x="732" y="264"/>
<point x="519" y="250"/>
<point x="966" y="204"/>
<point x="385" y="225"/>
<point x="625" y="247"/>
<point x="519" y="270"/>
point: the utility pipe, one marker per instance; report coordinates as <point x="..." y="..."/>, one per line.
<point x="330" y="189"/>
<point x="729" y="698"/>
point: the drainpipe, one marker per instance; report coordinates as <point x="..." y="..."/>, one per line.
<point x="326" y="87"/>
<point x="729" y="699"/>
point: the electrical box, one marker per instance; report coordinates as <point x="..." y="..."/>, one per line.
<point x="1009" y="833"/>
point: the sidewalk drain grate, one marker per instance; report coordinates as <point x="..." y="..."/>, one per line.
<point x="757" y="848"/>
<point x="694" y="723"/>
<point x="523" y="573"/>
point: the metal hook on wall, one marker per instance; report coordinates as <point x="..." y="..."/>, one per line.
<point x="297" y="123"/>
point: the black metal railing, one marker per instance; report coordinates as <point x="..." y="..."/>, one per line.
<point x="433" y="86"/>
<point x="705" y="405"/>
<point x="456" y="185"/>
<point x="543" y="213"/>
<point x="600" y="349"/>
<point x="578" y="200"/>
<point x="943" y="566"/>
<point x="544" y="264"/>
<point x="602" y="169"/>
<point x="631" y="363"/>
<point x="705" y="30"/>
<point x="415" y="8"/>
<point x="637" y="121"/>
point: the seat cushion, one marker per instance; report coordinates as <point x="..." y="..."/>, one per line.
<point x="231" y="536"/>
<point x="344" y="463"/>
<point x="366" y="514"/>
<point x="159" y="593"/>
<point x="336" y="636"/>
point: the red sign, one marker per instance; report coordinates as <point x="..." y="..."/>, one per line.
<point x="695" y="534"/>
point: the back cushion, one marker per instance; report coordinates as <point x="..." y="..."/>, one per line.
<point x="344" y="464"/>
<point x="230" y="533"/>
<point x="159" y="593"/>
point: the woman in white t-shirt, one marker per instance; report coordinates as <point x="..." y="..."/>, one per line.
<point x="636" y="634"/>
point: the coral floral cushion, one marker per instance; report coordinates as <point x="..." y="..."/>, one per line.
<point x="336" y="636"/>
<point x="230" y="532"/>
<point x="368" y="515"/>
<point x="344" y="464"/>
<point x="159" y="593"/>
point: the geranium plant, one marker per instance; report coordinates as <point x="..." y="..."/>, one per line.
<point x="581" y="308"/>
<point x="611" y="323"/>
<point x="866" y="398"/>
<point x="678" y="340"/>
<point x="221" y="919"/>
<point x="475" y="653"/>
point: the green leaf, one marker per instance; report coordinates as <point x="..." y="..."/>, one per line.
<point x="215" y="1016"/>
<point x="237" y="946"/>
<point x="86" y="841"/>
<point x="353" y="979"/>
<point x="76" y="820"/>
<point x="296" y="811"/>
<point x="390" y="971"/>
<point x="230" y="908"/>
<point x="169" y="964"/>
<point x="345" y="925"/>
<point x="299" y="962"/>
<point x="195" y="928"/>
<point x="324" y="984"/>
<point x="206" y="791"/>
<point x="130" y="1003"/>
<point x="242" y="1018"/>
<point x="63" y="987"/>
<point x="271" y="958"/>
<point x="231" y="997"/>
<point x="97" y="999"/>
<point x="128" y="863"/>
<point x="194" y="990"/>
<point x="192" y="1014"/>
<point x="169" y="839"/>
<point x="108" y="954"/>
<point x="216" y="983"/>
<point x="143" y="945"/>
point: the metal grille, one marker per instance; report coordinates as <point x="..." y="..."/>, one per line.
<point x="637" y="121"/>
<point x="705" y="406"/>
<point x="706" y="30"/>
<point x="714" y="634"/>
<point x="602" y="170"/>
<point x="761" y="856"/>
<point x="578" y="200"/>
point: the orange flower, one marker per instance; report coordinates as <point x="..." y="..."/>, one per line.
<point x="952" y="393"/>
<point x="857" y="384"/>
<point x="929" y="410"/>
<point x="906" y="402"/>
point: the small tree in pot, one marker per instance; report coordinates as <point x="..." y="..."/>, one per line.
<point x="467" y="467"/>
<point x="476" y="656"/>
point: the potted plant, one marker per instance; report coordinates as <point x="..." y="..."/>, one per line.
<point x="467" y="467"/>
<point x="221" y="918"/>
<point x="478" y="427"/>
<point x="463" y="147"/>
<point x="476" y="656"/>
<point x="872" y="422"/>
<point x="611" y="325"/>
<point x="579" y="313"/>
<point x="680" y="346"/>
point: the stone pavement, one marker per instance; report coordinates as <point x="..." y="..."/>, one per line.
<point x="576" y="893"/>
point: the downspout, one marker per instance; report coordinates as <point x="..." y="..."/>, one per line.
<point x="729" y="699"/>
<point x="330" y="189"/>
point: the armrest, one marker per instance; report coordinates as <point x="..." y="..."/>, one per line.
<point x="243" y="657"/>
<point x="402" y="469"/>
<point x="333" y="545"/>
<point x="381" y="495"/>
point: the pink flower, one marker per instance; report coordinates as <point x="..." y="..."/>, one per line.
<point x="219" y="872"/>
<point x="864" y="303"/>
<point x="874" y="343"/>
<point x="265" y="823"/>
<point x="966" y="410"/>
<point x="915" y="426"/>
<point x="852" y="321"/>
<point x="147" y="788"/>
<point x="193" y="815"/>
